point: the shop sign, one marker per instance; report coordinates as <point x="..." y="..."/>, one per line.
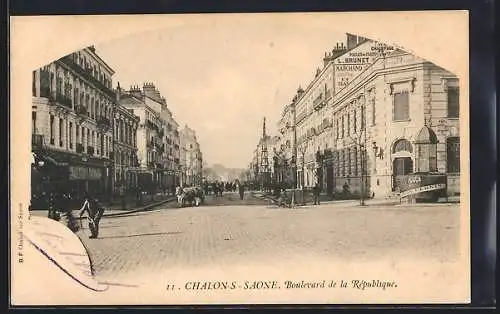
<point x="78" y="173"/>
<point x="95" y="173"/>
<point x="424" y="186"/>
<point x="352" y="63"/>
<point x="84" y="173"/>
<point x="427" y="188"/>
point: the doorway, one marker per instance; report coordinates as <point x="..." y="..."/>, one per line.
<point x="401" y="167"/>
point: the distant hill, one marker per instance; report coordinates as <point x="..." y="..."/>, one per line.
<point x="221" y="173"/>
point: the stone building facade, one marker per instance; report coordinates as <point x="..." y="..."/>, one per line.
<point x="72" y="113"/>
<point x="125" y="146"/>
<point x="191" y="157"/>
<point x="373" y="115"/>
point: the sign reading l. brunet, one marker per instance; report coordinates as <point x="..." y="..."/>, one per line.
<point x="352" y="63"/>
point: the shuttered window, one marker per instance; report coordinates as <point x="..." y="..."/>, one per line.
<point x="453" y="155"/>
<point x="401" y="106"/>
<point x="453" y="103"/>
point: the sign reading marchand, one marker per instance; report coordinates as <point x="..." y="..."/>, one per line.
<point x="352" y="63"/>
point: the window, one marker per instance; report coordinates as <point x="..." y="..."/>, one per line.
<point x="61" y="132"/>
<point x="402" y="145"/>
<point x="76" y="93"/>
<point x="342" y="127"/>
<point x="71" y="135"/>
<point x="33" y="122"/>
<point x="401" y="106"/>
<point x="52" y="140"/>
<point x="373" y="111"/>
<point x="348" y="124"/>
<point x="33" y="86"/>
<point x="59" y="83"/>
<point x="453" y="102"/>
<point x="363" y="119"/>
<point x="355" y="122"/>
<point x="453" y="155"/>
<point x="355" y="161"/>
<point x="77" y="134"/>
<point x="337" y="128"/>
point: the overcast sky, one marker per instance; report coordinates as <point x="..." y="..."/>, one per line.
<point x="221" y="77"/>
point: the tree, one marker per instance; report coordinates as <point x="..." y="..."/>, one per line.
<point x="358" y="139"/>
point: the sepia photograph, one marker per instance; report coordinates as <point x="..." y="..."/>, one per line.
<point x="240" y="158"/>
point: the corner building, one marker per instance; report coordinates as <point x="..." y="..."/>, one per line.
<point x="72" y="116"/>
<point x="373" y="115"/>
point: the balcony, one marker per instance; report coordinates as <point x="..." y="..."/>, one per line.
<point x="81" y="111"/>
<point x="63" y="100"/>
<point x="45" y="92"/>
<point x="152" y="126"/>
<point x="88" y="75"/>
<point x="319" y="102"/>
<point x="103" y="123"/>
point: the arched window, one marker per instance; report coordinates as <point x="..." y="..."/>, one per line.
<point x="426" y="148"/>
<point x="402" y="145"/>
<point x="453" y="155"/>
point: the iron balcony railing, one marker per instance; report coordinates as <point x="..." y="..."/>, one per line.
<point x="88" y="75"/>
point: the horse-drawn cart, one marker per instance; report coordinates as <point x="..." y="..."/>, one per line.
<point x="192" y="196"/>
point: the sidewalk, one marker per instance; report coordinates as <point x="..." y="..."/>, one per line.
<point x="325" y="199"/>
<point x="117" y="210"/>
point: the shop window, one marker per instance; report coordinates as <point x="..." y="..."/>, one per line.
<point x="453" y="155"/>
<point x="401" y="106"/>
<point x="453" y="102"/>
<point x="426" y="145"/>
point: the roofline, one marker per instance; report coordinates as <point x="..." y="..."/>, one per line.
<point x="89" y="50"/>
<point x="330" y="63"/>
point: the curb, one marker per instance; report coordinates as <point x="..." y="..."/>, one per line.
<point x="140" y="209"/>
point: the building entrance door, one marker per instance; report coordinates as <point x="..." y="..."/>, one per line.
<point x="329" y="179"/>
<point x="401" y="167"/>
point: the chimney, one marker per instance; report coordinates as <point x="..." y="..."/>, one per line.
<point x="118" y="93"/>
<point x="352" y="41"/>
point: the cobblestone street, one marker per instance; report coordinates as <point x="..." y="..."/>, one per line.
<point x="227" y="235"/>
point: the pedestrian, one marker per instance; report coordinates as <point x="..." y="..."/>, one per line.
<point x="316" y="193"/>
<point x="67" y="212"/>
<point x="241" y="190"/>
<point x="52" y="202"/>
<point x="95" y="211"/>
<point x="179" y="192"/>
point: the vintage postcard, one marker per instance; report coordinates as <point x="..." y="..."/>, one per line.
<point x="285" y="158"/>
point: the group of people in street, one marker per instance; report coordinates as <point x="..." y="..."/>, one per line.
<point x="60" y="205"/>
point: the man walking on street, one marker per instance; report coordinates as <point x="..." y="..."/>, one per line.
<point x="95" y="211"/>
<point x="316" y="193"/>
<point x="241" y="189"/>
